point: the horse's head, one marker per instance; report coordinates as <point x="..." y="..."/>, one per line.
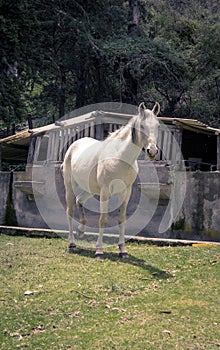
<point x="148" y="128"/>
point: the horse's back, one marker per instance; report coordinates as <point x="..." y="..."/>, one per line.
<point x="81" y="145"/>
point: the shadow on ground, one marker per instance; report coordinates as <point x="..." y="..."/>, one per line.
<point x="132" y="260"/>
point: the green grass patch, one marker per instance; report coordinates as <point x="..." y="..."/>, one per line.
<point x="159" y="298"/>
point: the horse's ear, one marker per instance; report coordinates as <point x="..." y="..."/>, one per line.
<point x="156" y="109"/>
<point x="141" y="108"/>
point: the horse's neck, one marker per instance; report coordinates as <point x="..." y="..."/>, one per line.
<point x="129" y="151"/>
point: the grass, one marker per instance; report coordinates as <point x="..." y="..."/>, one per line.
<point x="160" y="298"/>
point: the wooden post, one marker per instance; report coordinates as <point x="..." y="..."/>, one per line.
<point x="50" y="147"/>
<point x="56" y="146"/>
<point x="99" y="132"/>
<point x="92" y="130"/>
<point x="30" y="123"/>
<point x="218" y="152"/>
<point x="13" y="129"/>
<point x="178" y="134"/>
<point x="31" y="150"/>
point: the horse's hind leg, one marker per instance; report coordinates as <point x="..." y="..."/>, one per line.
<point x="70" y="203"/>
<point x="80" y="201"/>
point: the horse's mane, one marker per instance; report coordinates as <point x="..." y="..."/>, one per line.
<point x="115" y="133"/>
<point x="123" y="131"/>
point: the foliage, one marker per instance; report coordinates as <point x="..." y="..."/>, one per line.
<point x="160" y="298"/>
<point x="59" y="55"/>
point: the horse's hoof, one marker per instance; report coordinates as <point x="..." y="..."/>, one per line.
<point x="99" y="256"/>
<point x="72" y="248"/>
<point x="123" y="255"/>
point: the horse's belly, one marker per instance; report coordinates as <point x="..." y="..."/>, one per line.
<point x="86" y="178"/>
<point x="84" y="165"/>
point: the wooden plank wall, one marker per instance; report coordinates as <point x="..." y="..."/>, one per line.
<point x="169" y="140"/>
<point x="60" y="140"/>
<point x="169" y="144"/>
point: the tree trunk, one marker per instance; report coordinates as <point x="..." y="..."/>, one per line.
<point x="130" y="90"/>
<point x="133" y="17"/>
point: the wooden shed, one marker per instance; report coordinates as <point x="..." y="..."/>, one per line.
<point x="199" y="143"/>
<point x="186" y="144"/>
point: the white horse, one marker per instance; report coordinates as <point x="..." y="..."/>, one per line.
<point x="107" y="167"/>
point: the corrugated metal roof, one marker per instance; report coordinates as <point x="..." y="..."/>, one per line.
<point x="191" y="124"/>
<point x="15" y="148"/>
<point x="21" y="137"/>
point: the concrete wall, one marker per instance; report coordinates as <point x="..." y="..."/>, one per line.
<point x="27" y="213"/>
<point x="4" y="190"/>
<point x="39" y="201"/>
<point x="199" y="217"/>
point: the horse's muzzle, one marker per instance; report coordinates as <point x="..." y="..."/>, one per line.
<point x="152" y="154"/>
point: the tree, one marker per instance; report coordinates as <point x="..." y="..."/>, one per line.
<point x="59" y="55"/>
<point x="12" y="28"/>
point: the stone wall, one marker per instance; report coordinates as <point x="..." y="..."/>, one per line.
<point x="24" y="200"/>
<point x="200" y="215"/>
<point x="4" y="191"/>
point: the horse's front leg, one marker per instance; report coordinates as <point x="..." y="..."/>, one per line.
<point x="103" y="220"/>
<point x="122" y="222"/>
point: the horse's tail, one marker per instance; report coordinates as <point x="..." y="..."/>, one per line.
<point x="66" y="168"/>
